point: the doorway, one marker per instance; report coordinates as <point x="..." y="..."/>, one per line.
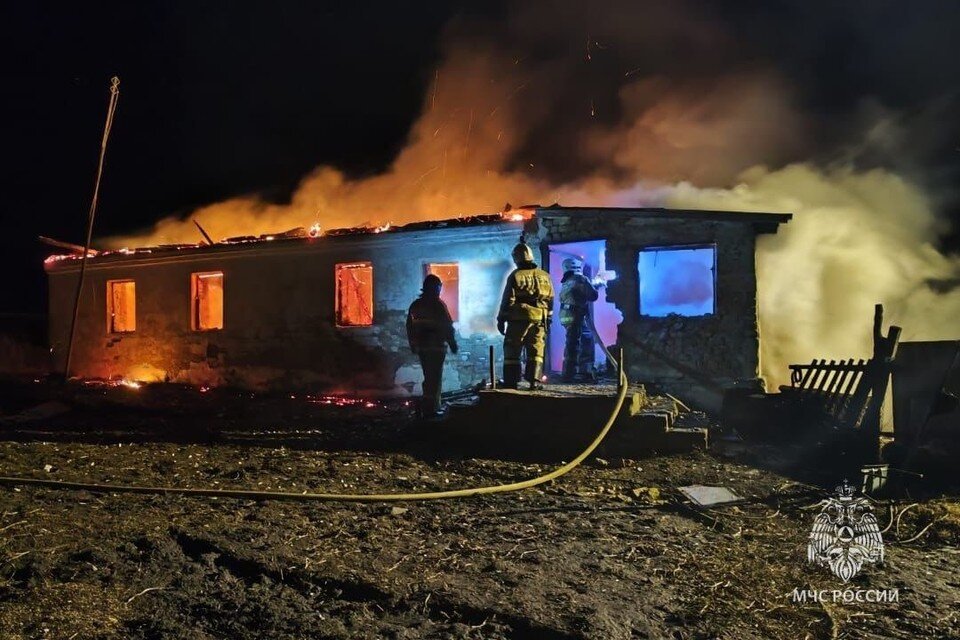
<point x="606" y="317"/>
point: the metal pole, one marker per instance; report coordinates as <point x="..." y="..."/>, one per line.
<point x="111" y="109"/>
<point x="622" y="373"/>
<point x="493" y="370"/>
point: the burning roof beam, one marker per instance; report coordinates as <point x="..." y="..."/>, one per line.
<point x="205" y="235"/>
<point x="60" y="244"/>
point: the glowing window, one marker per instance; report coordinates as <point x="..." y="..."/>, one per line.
<point x="206" y="295"/>
<point x="121" y="306"/>
<point x="677" y="280"/>
<point x="449" y="274"/>
<point x="354" y="294"/>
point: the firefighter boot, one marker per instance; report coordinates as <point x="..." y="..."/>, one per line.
<point x="511" y="376"/>
<point x="533" y="377"/>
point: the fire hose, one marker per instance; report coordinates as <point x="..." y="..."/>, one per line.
<point x="345" y="497"/>
<point x="283" y="495"/>
<point x="596" y="334"/>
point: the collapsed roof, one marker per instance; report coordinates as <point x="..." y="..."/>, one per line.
<point x="763" y="223"/>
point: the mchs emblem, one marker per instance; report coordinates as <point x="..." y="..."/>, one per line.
<point x="845" y="535"/>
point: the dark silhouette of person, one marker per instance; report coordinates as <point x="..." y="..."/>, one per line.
<point x="429" y="331"/>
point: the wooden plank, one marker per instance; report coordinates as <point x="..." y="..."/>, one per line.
<point x="883" y="357"/>
<point x="859" y="398"/>
<point x="842" y="372"/>
<point x="60" y="244"/>
<point x="806" y="378"/>
<point x="846" y="392"/>
<point x="819" y="371"/>
<point x="850" y="393"/>
<point x="829" y="372"/>
<point x="835" y="391"/>
<point x="203" y="232"/>
<point x="855" y="378"/>
<point x="796" y="374"/>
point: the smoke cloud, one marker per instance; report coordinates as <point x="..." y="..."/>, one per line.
<point x="857" y="238"/>
<point x="651" y="105"/>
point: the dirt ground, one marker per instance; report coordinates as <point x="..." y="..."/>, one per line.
<point x="611" y="550"/>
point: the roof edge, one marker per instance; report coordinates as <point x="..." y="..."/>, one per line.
<point x="153" y="255"/>
<point x="654" y="212"/>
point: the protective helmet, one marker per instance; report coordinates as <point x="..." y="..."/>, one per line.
<point x="573" y="264"/>
<point x="432" y="284"/>
<point x="522" y="254"/>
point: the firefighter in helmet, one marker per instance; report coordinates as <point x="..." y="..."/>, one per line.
<point x="429" y="331"/>
<point x="525" y="311"/>
<point x="576" y="294"/>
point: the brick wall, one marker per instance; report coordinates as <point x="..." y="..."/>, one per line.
<point x="691" y="357"/>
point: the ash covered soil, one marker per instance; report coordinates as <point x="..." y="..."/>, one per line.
<point x="611" y="550"/>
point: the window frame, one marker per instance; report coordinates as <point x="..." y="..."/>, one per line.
<point x="110" y="313"/>
<point x="337" y="267"/>
<point x="678" y="247"/>
<point x="426" y="272"/>
<point x="195" y="302"/>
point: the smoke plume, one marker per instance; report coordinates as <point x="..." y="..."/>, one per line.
<point x="654" y="104"/>
<point x="857" y="238"/>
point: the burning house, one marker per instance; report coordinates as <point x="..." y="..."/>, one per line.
<point x="305" y="310"/>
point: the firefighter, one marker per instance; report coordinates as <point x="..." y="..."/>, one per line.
<point x="525" y="311"/>
<point x="429" y="331"/>
<point x="576" y="294"/>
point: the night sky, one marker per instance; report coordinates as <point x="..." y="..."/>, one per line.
<point x="227" y="98"/>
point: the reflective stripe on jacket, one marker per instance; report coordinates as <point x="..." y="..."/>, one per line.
<point x="576" y="294"/>
<point x="527" y="295"/>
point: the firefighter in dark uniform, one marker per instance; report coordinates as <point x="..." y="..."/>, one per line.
<point x="576" y="294"/>
<point x="429" y="331"/>
<point x="525" y="311"/>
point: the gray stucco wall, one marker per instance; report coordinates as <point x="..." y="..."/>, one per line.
<point x="279" y="328"/>
<point x="694" y="358"/>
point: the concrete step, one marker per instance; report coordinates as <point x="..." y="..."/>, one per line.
<point x="559" y="421"/>
<point x="653" y="430"/>
<point x="660" y="407"/>
<point x="651" y="434"/>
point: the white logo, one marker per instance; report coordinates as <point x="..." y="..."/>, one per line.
<point x="845" y="535"/>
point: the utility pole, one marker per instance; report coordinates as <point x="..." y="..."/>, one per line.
<point x="111" y="109"/>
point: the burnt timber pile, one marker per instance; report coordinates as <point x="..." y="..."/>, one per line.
<point x="835" y="411"/>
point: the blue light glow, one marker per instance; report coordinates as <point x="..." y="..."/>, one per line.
<point x="679" y="281"/>
<point x="606" y="316"/>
